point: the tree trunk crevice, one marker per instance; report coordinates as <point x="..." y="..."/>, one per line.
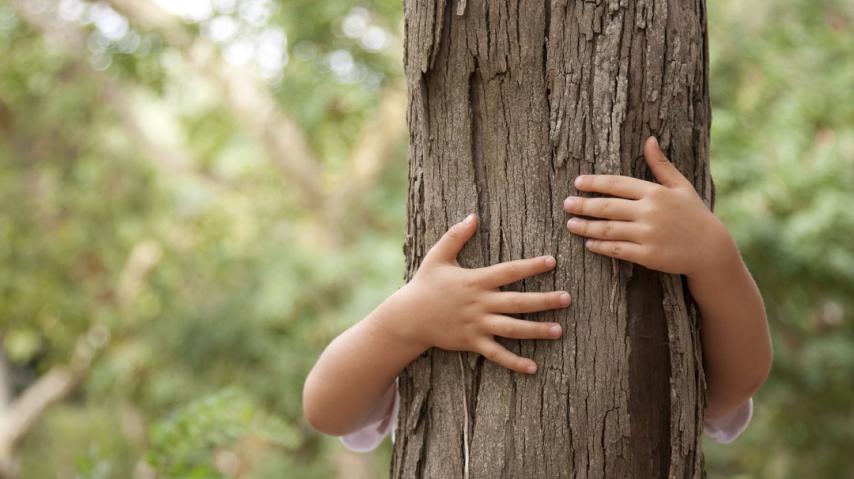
<point x="508" y="102"/>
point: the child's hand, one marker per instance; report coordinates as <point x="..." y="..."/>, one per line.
<point x="460" y="309"/>
<point x="665" y="227"/>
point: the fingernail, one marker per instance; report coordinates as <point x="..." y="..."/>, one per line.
<point x="564" y="298"/>
<point x="555" y="330"/>
<point x="532" y="368"/>
<point x="468" y="219"/>
<point x="578" y="180"/>
<point x="569" y="202"/>
<point x="572" y="222"/>
<point x="550" y="261"/>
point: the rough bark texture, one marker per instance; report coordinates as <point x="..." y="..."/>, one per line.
<point x="508" y="102"/>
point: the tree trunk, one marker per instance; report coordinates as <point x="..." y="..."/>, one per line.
<point x="508" y="102"/>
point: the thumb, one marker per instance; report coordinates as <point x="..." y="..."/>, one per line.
<point x="665" y="172"/>
<point x="452" y="242"/>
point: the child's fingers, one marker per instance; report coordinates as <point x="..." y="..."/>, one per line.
<point x="606" y="230"/>
<point x="663" y="170"/>
<point x="611" y="208"/>
<point x="512" y="271"/>
<point x="623" y="250"/>
<point x="500" y="355"/>
<point x="507" y="327"/>
<point x="615" y="185"/>
<point x="513" y="302"/>
<point x="451" y="243"/>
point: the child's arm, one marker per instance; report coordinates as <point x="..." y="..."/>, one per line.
<point x="444" y="305"/>
<point x="667" y="227"/>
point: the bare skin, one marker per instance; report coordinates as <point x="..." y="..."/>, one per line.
<point x="660" y="226"/>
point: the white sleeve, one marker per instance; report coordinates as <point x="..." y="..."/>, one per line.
<point x="728" y="427"/>
<point x="369" y="436"/>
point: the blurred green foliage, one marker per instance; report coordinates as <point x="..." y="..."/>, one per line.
<point x="783" y="161"/>
<point x="243" y="286"/>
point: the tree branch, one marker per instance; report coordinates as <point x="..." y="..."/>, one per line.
<point x="376" y="138"/>
<point x="72" y="40"/>
<point x="22" y="413"/>
<point x="243" y="94"/>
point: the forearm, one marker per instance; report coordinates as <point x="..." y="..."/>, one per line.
<point x="736" y="344"/>
<point x="351" y="384"/>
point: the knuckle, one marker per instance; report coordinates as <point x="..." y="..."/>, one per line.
<point x="513" y="269"/>
<point x="646" y="207"/>
<point x="608" y="230"/>
<point x="616" y="249"/>
<point x="489" y="351"/>
<point x="472" y="304"/>
<point x="547" y="300"/>
<point x="470" y="281"/>
<point x="468" y="340"/>
<point x="645" y="254"/>
<point x="496" y="327"/>
<point x="521" y="329"/>
<point x="542" y="300"/>
<point x="499" y="357"/>
<point x="631" y="255"/>
<point x="646" y="231"/>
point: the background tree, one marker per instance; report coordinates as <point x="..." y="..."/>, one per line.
<point x="120" y="146"/>
<point x="508" y="102"/>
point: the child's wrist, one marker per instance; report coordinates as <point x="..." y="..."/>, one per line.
<point x="722" y="256"/>
<point x="395" y="317"/>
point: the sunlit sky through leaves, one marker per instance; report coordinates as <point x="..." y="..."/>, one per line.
<point x="242" y="29"/>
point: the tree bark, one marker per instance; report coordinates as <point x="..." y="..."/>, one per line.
<point x="508" y="102"/>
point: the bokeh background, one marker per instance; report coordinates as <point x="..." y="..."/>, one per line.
<point x="197" y="195"/>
